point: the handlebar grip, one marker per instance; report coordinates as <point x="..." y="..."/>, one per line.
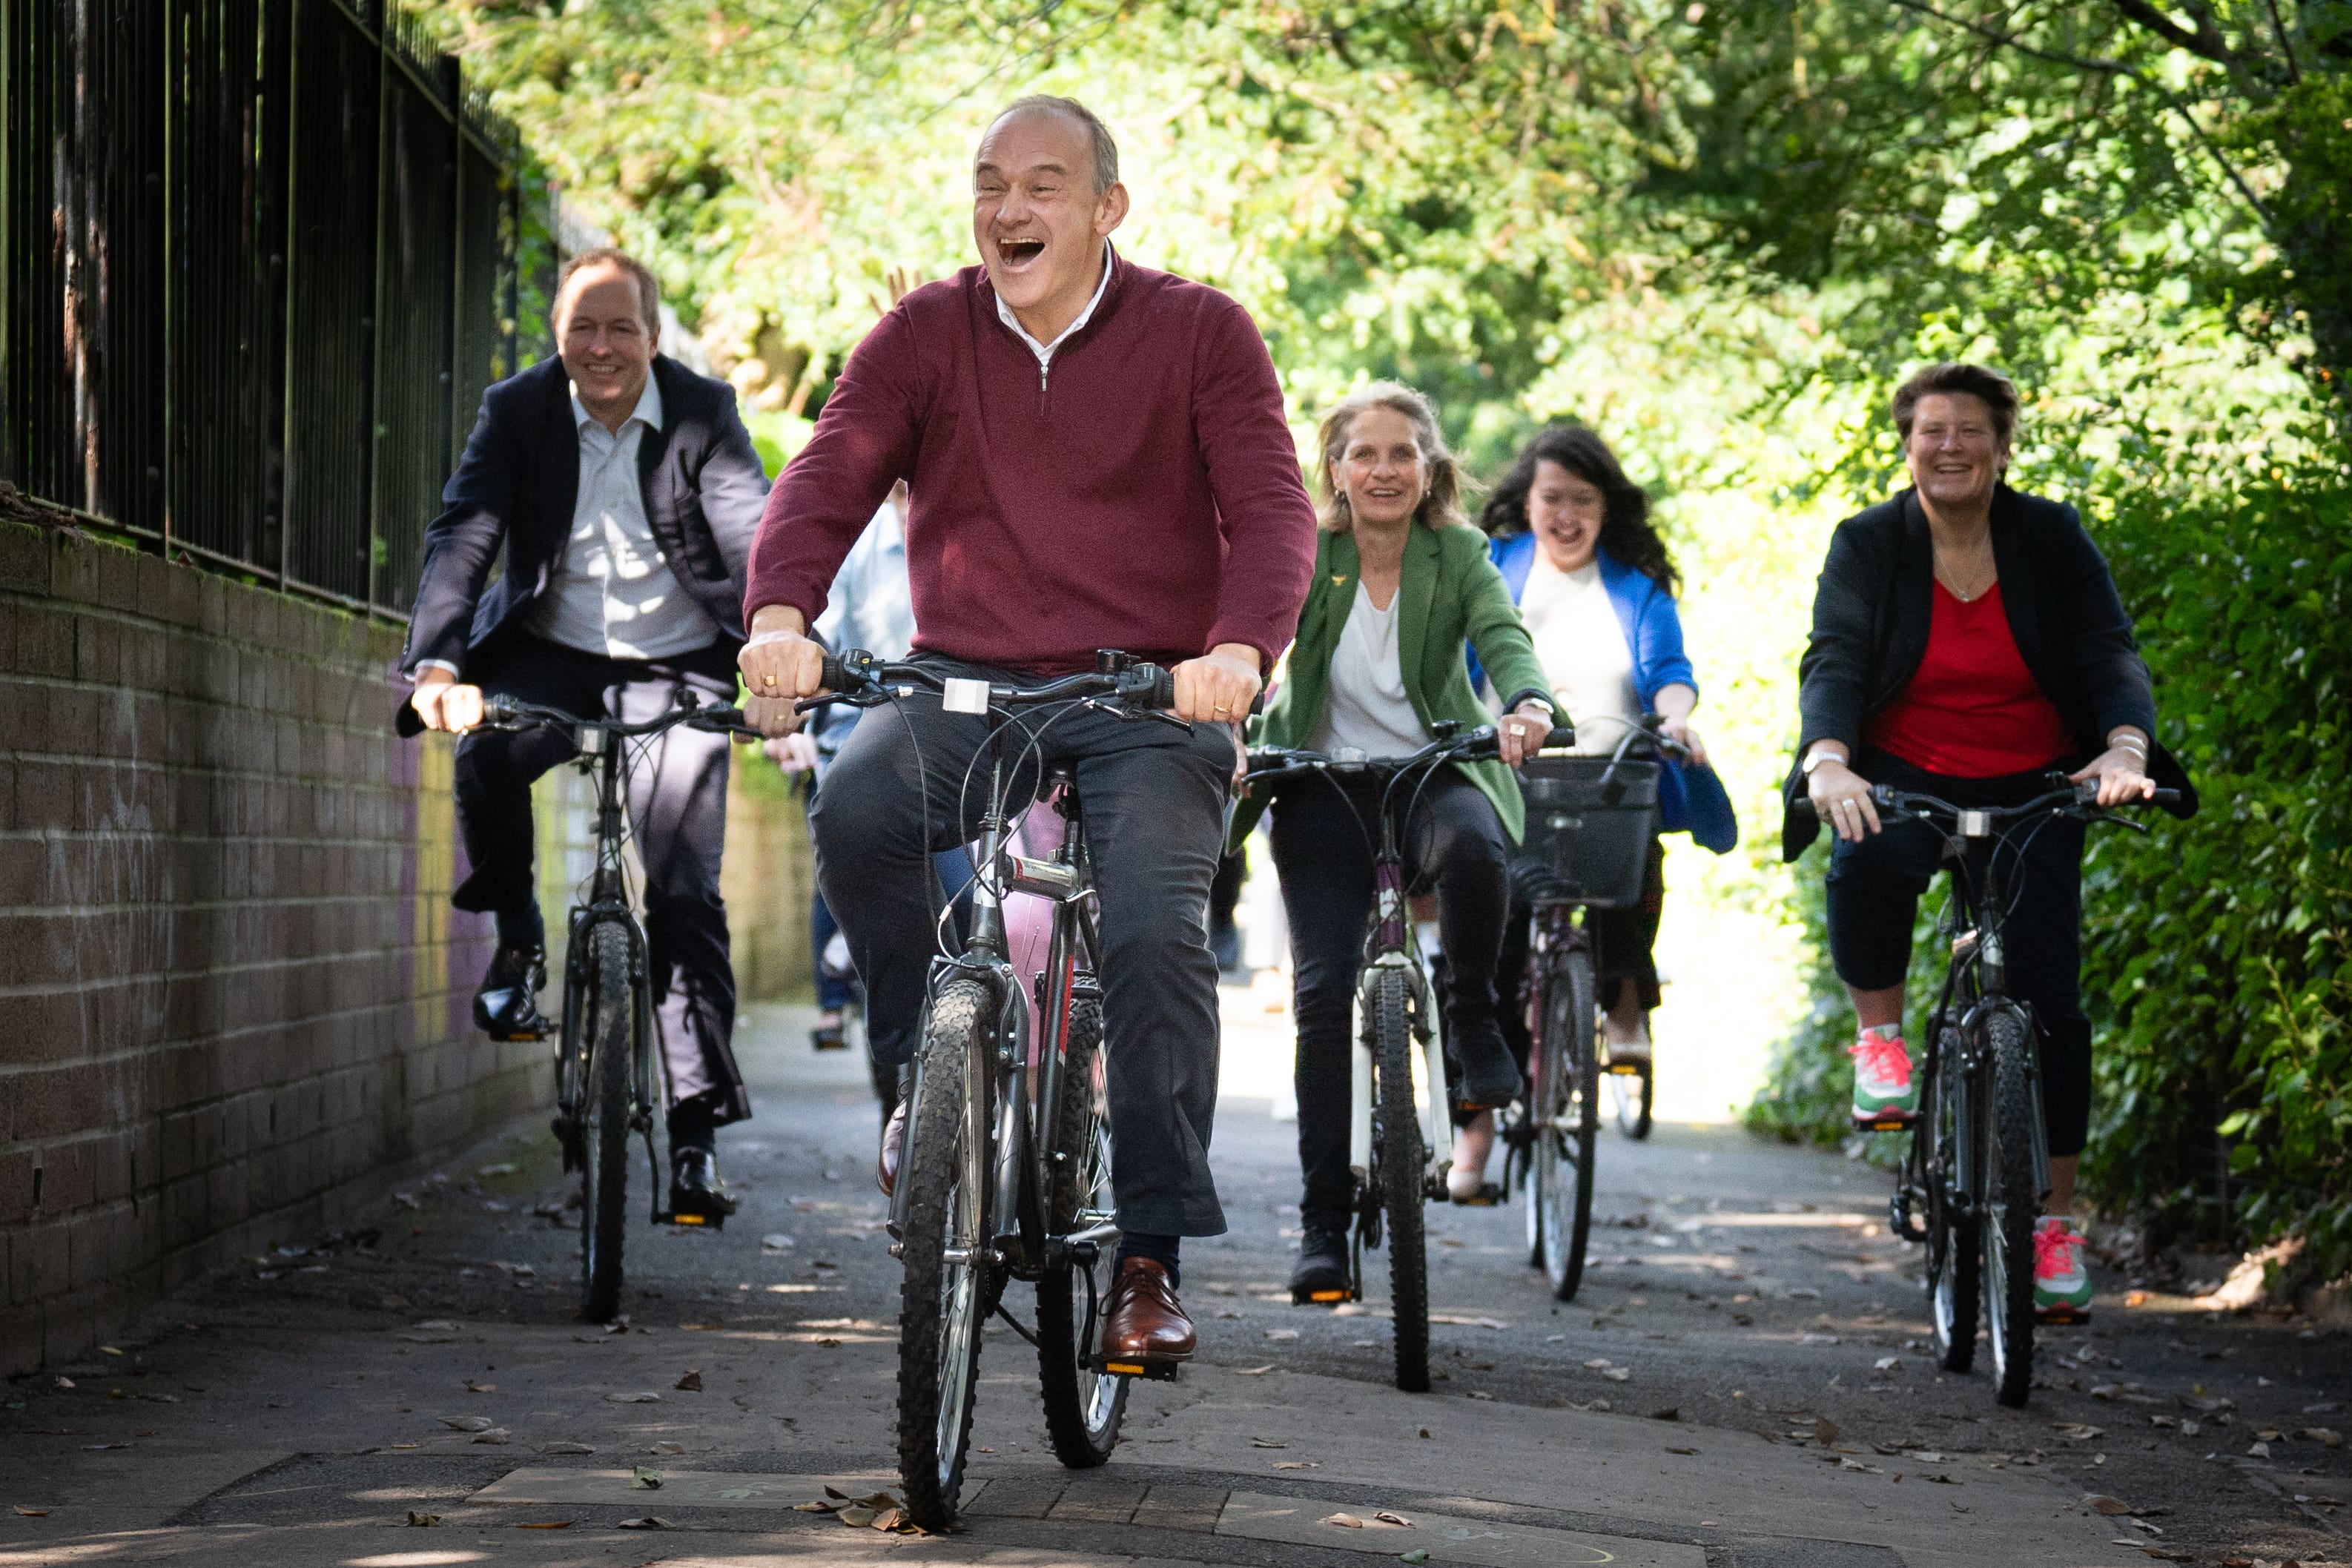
<point x="835" y="675"/>
<point x="1162" y="695"/>
<point x="499" y="710"/>
<point x="1562" y="734"/>
<point x="2165" y="798"/>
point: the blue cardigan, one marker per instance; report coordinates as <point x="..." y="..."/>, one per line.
<point x="1690" y="800"/>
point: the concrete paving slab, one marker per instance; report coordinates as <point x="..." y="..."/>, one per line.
<point x="1446" y="1538"/>
<point x="683" y="1488"/>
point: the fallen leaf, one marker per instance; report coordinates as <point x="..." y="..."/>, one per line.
<point x="1266" y="1443"/>
<point x="474" y="1387"/>
<point x="632" y="1400"/>
<point x="650" y="1521"/>
<point x="890" y="1519"/>
<point x="1825" y="1431"/>
<point x="2107" y="1505"/>
<point x="1297" y="1465"/>
<point x="1466" y="1321"/>
<point x="65" y="1383"/>
<point x="567" y="1449"/>
<point x="1386" y="1518"/>
<point x="32" y="1512"/>
<point x="2324" y="1435"/>
<point x="2077" y="1431"/>
<point x="856" y="1514"/>
<point x="1345" y="1520"/>
<point x="2258" y="1450"/>
<point x="1618" y="1374"/>
<point x="818" y="1506"/>
<point x="666" y="1448"/>
<point x="1282" y="1333"/>
<point x="546" y="1524"/>
<point x="421" y="1520"/>
<point x="778" y="1242"/>
<point x="645" y="1481"/>
<point x="494" y="1436"/>
<point x="1416" y="1557"/>
<point x="1481" y="1394"/>
<point x="110" y="1349"/>
<point x="1681" y="1450"/>
<point x="691" y="1383"/>
<point x="1887" y="1363"/>
<point x="1252" y="1370"/>
<point x="1598" y="1363"/>
<point x="468" y="1423"/>
<point x="1671" y="1413"/>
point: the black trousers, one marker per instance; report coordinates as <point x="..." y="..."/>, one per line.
<point x="678" y="809"/>
<point x="1323" y="851"/>
<point x="1874" y="896"/>
<point x="906" y="785"/>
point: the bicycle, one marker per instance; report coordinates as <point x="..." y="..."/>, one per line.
<point x="606" y="1061"/>
<point x="1394" y="1138"/>
<point x="1006" y="1173"/>
<point x="1972" y="1188"/>
<point x="1592" y="818"/>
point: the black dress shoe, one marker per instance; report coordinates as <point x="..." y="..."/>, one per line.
<point x="1322" y="1272"/>
<point x="1489" y="1079"/>
<point x="507" y="1007"/>
<point x="697" y="1195"/>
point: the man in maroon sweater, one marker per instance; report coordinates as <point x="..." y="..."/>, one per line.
<point x="1098" y="459"/>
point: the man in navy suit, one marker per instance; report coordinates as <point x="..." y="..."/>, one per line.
<point x="624" y="492"/>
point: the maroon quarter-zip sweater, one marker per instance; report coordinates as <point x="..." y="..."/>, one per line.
<point x="1143" y="494"/>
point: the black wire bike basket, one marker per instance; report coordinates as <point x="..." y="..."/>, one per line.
<point x="1592" y="818"/>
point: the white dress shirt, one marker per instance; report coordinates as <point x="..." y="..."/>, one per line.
<point x="872" y="605"/>
<point x="1044" y="351"/>
<point x="1580" y="643"/>
<point x="612" y="592"/>
<point x="1366" y="705"/>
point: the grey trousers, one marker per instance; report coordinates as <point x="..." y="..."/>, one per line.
<point x="1153" y="798"/>
<point x="678" y="809"/>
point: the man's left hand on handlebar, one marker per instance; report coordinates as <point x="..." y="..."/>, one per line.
<point x="1219" y="686"/>
<point x="780" y="664"/>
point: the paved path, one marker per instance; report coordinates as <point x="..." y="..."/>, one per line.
<point x="1741" y="1384"/>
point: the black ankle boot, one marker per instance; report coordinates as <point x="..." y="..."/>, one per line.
<point x="1322" y="1272"/>
<point x="507" y="1006"/>
<point x="1489" y="1079"/>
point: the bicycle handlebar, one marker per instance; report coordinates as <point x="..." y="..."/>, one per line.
<point x="2072" y="797"/>
<point x="861" y="680"/>
<point x="720" y="718"/>
<point x="1272" y="762"/>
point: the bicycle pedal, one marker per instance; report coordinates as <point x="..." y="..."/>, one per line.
<point x="1151" y="1371"/>
<point x="1490" y="1196"/>
<point x="2060" y="1317"/>
<point x="1625" y="1069"/>
<point x="1885" y="1123"/>
<point x="1329" y="1298"/>
<point x="695" y="1219"/>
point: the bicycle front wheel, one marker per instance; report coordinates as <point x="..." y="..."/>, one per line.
<point x="1954" y="1262"/>
<point x="942" y="1300"/>
<point x="1083" y="1406"/>
<point x="2012" y="1203"/>
<point x="1568" y="1121"/>
<point x="607" y="1042"/>
<point x="1398" y="1154"/>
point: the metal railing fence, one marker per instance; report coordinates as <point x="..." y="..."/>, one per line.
<point x="258" y="261"/>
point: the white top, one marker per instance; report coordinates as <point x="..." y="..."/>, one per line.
<point x="1581" y="645"/>
<point x="612" y="592"/>
<point x="872" y="604"/>
<point x="1044" y="351"/>
<point x="1366" y="707"/>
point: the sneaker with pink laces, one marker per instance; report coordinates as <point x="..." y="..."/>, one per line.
<point x="2062" y="1286"/>
<point x="1882" y="1085"/>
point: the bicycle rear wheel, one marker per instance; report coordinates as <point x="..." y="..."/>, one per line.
<point x="1568" y="1122"/>
<point x="1399" y="1161"/>
<point x="943" y="1298"/>
<point x="1955" y="1273"/>
<point x="2012" y="1203"/>
<point x="606" y="1040"/>
<point x="1083" y="1406"/>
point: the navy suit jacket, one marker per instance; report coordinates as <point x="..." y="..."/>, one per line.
<point x="515" y="489"/>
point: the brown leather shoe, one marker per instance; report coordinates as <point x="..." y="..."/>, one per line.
<point x="1146" y="1321"/>
<point x="894" y="1147"/>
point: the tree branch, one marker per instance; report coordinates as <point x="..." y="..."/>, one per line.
<point x="2204" y="41"/>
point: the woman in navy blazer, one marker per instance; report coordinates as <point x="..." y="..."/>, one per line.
<point x="1567" y="519"/>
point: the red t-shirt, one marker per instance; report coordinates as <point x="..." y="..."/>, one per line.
<point x="1972" y="709"/>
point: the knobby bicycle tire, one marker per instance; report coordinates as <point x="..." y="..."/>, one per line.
<point x="1083" y="1407"/>
<point x="608" y="1042"/>
<point x="1954" y="1258"/>
<point x="2013" y="1199"/>
<point x="943" y="1304"/>
<point x="1568" y="1127"/>
<point x="1402" y="1161"/>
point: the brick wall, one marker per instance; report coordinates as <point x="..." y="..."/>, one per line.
<point x="234" y="1001"/>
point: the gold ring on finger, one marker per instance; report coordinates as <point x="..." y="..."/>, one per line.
<point x="767" y="680"/>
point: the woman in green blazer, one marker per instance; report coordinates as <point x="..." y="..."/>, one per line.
<point x="1400" y="580"/>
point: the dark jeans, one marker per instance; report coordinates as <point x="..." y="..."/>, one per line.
<point x="1323" y="855"/>
<point x="1874" y="894"/>
<point x="1154" y="801"/>
<point x="678" y="808"/>
<point x="1625" y="944"/>
<point x="835" y="990"/>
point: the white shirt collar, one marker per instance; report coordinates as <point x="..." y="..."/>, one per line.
<point x="649" y="409"/>
<point x="1044" y="351"/>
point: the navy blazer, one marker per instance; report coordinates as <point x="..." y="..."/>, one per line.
<point x="516" y="487"/>
<point x="1875" y="600"/>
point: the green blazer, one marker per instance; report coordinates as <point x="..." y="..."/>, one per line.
<point x="1451" y="593"/>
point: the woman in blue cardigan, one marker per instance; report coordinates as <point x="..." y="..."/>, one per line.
<point x="1572" y="539"/>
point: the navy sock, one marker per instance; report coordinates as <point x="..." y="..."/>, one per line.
<point x="522" y="928"/>
<point x="1161" y="1249"/>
